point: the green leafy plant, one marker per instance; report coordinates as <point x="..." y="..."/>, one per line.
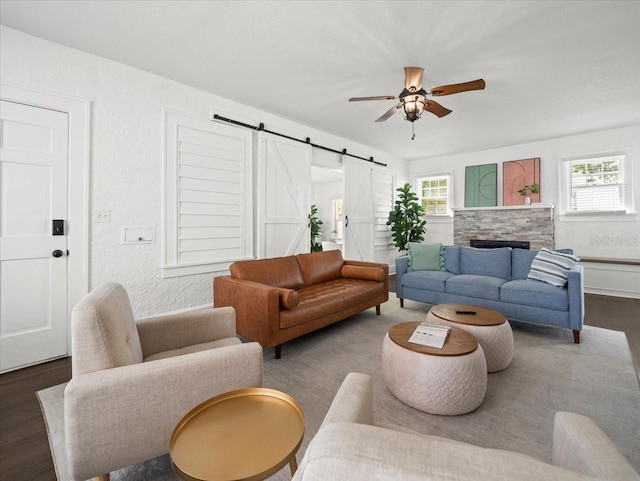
<point x="404" y="219"/>
<point x="527" y="190"/>
<point x="316" y="226"/>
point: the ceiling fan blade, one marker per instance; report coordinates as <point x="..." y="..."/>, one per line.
<point x="456" y="88"/>
<point x="379" y="97"/>
<point x="389" y="113"/>
<point x="436" y="109"/>
<point x="413" y="77"/>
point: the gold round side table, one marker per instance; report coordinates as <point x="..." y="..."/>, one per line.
<point x="248" y="434"/>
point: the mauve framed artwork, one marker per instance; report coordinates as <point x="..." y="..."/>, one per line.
<point x="516" y="174"/>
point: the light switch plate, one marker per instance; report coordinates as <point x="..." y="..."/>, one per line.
<point x="102" y="216"/>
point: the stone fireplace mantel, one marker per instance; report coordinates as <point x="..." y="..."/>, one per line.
<point x="533" y="223"/>
<point x="507" y="207"/>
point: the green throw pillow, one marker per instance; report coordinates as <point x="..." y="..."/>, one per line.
<point x="426" y="257"/>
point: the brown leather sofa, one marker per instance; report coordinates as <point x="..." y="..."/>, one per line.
<point x="283" y="298"/>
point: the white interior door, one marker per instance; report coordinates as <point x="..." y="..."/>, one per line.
<point x="33" y="192"/>
<point x="358" y="211"/>
<point x="283" y="201"/>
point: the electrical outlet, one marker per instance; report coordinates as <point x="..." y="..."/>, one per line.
<point x="102" y="215"/>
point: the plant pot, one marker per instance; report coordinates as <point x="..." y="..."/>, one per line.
<point x="527" y="200"/>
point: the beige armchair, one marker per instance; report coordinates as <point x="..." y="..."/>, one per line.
<point x="349" y="446"/>
<point x="133" y="381"/>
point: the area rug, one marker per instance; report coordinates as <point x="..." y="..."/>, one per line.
<point x="549" y="373"/>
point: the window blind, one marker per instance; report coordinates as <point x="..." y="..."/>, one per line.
<point x="596" y="184"/>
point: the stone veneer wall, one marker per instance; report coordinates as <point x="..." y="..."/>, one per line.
<point x="533" y="224"/>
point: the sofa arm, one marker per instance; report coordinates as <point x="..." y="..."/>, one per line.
<point x="581" y="446"/>
<point x="402" y="266"/>
<point x="175" y="331"/>
<point x="575" y="286"/>
<point x="257" y="307"/>
<point x="122" y="416"/>
<point x="353" y="403"/>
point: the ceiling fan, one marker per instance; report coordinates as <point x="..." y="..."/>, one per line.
<point x="413" y="98"/>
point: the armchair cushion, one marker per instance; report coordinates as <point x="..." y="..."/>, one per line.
<point x="227" y="341"/>
<point x="104" y="331"/>
<point x="176" y="331"/>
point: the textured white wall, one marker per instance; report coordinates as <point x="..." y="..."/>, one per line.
<point x="126" y="157"/>
<point x="593" y="236"/>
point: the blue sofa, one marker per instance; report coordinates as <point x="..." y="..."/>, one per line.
<point x="496" y="279"/>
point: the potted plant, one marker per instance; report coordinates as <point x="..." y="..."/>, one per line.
<point x="527" y="190"/>
<point x="404" y="219"/>
<point x="316" y="226"/>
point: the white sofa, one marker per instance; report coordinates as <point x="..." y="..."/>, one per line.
<point x="350" y="447"/>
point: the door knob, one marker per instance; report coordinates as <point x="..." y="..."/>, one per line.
<point x="57" y="253"/>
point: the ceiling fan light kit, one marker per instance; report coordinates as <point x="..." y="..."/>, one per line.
<point x="413" y="98"/>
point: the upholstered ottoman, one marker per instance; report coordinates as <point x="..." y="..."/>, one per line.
<point x="491" y="329"/>
<point x="451" y="380"/>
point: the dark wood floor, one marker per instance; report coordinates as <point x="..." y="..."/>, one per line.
<point x="24" y="448"/>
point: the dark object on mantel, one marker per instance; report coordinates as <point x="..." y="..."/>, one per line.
<point x="492" y="244"/>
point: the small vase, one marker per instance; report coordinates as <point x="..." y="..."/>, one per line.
<point x="527" y="200"/>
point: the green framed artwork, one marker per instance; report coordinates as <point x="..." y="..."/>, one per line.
<point x="481" y="185"/>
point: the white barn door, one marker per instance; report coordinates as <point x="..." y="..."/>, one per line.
<point x="358" y="210"/>
<point x="284" y="171"/>
<point x="383" y="190"/>
<point x="33" y="261"/>
<point x="369" y="196"/>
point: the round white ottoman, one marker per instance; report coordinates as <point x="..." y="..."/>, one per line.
<point x="491" y="329"/>
<point x="434" y="382"/>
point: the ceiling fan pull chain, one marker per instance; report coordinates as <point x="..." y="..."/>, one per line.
<point x="413" y="130"/>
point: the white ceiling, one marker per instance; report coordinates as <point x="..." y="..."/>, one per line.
<point x="552" y="68"/>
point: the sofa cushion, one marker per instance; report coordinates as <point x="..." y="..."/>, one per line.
<point x="486" y="262"/>
<point x="289" y="298"/>
<point x="425" y="257"/>
<point x="320" y="266"/>
<point x="428" y="280"/>
<point x="365" y="273"/>
<point x="277" y="272"/>
<point x="452" y="259"/>
<point x="534" y="293"/>
<point x="483" y="287"/>
<point x="521" y="261"/>
<point x="552" y="267"/>
<point x="326" y="298"/>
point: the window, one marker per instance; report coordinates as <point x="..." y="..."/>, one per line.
<point x="207" y="215"/>
<point x="435" y="194"/>
<point x="597" y="184"/>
